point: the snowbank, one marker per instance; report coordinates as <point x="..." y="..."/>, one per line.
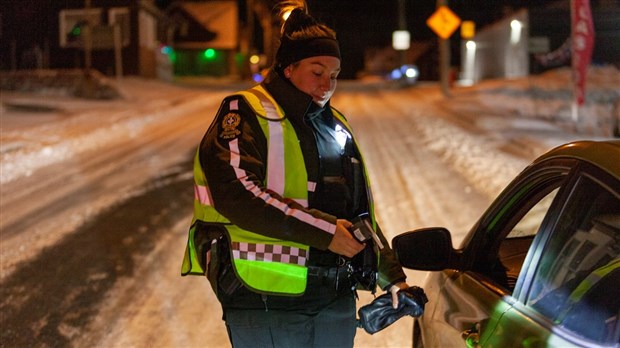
<point x="92" y="124"/>
<point x="549" y="96"/>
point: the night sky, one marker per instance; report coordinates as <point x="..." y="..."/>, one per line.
<point x="359" y="23"/>
<point x="370" y="23"/>
<point x="377" y="19"/>
<point x="372" y="20"/>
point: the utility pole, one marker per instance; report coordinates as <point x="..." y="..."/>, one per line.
<point x="118" y="50"/>
<point x="444" y="59"/>
<point x="402" y="25"/>
<point x="88" y="40"/>
<point x="250" y="25"/>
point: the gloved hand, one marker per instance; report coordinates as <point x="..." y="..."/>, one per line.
<point x="380" y="313"/>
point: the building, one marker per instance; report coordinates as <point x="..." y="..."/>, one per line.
<point x="55" y="35"/>
<point x="203" y="38"/>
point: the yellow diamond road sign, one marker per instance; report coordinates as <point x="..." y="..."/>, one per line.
<point x="443" y="22"/>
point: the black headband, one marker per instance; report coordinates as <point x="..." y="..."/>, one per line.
<point x="292" y="51"/>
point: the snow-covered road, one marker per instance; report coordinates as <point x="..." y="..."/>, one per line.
<point x="115" y="172"/>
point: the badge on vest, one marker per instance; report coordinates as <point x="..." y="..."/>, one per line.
<point x="229" y="126"/>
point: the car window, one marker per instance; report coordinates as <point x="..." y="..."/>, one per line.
<point x="514" y="248"/>
<point x="530" y="223"/>
<point x="507" y="233"/>
<point x="576" y="283"/>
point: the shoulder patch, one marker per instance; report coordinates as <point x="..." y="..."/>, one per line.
<point x="229" y="126"/>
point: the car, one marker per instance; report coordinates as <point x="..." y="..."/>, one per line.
<point x="407" y="74"/>
<point x="540" y="267"/>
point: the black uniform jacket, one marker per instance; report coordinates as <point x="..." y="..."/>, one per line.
<point x="234" y="184"/>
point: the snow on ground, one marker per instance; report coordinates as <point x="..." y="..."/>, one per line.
<point x="81" y="125"/>
<point x="500" y="113"/>
<point x="536" y="108"/>
<point x="77" y="125"/>
<point x="517" y="110"/>
<point x="549" y="96"/>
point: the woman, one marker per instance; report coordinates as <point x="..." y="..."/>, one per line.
<point x="279" y="178"/>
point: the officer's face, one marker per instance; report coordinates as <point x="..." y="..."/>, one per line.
<point x="315" y="76"/>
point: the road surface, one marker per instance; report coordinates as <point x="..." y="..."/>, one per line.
<point x="92" y="244"/>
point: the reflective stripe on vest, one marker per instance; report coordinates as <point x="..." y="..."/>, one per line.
<point x="587" y="284"/>
<point x="283" y="176"/>
<point x="269" y="252"/>
<point x="264" y="264"/>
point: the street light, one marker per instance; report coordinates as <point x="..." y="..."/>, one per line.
<point x="401" y="40"/>
<point x="515" y="31"/>
<point x="470" y="63"/>
<point x="254" y="59"/>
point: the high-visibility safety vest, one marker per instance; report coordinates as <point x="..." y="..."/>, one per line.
<point x="263" y="264"/>
<point x="586" y="285"/>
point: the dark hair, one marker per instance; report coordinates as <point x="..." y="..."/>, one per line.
<point x="300" y="25"/>
<point x="302" y="36"/>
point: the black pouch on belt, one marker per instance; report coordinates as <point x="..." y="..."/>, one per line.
<point x="227" y="281"/>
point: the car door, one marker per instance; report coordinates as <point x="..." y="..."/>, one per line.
<point x="470" y="302"/>
<point x="567" y="294"/>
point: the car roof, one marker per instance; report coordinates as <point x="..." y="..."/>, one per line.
<point x="603" y="154"/>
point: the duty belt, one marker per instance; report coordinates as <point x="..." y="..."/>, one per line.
<point x="336" y="276"/>
<point x="323" y="259"/>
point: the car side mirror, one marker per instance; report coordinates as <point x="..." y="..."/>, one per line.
<point x="426" y="249"/>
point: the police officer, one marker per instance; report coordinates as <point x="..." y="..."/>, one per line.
<point x="279" y="177"/>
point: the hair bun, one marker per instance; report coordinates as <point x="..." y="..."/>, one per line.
<point x="298" y="20"/>
<point x="302" y="36"/>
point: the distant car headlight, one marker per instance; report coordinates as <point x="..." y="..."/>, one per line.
<point x="396" y="74"/>
<point x="409" y="73"/>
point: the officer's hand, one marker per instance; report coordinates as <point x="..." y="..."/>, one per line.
<point x="394" y="289"/>
<point x="343" y="242"/>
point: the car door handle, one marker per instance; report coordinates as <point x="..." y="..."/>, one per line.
<point x="471" y="337"/>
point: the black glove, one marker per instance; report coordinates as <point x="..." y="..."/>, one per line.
<point x="380" y="314"/>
